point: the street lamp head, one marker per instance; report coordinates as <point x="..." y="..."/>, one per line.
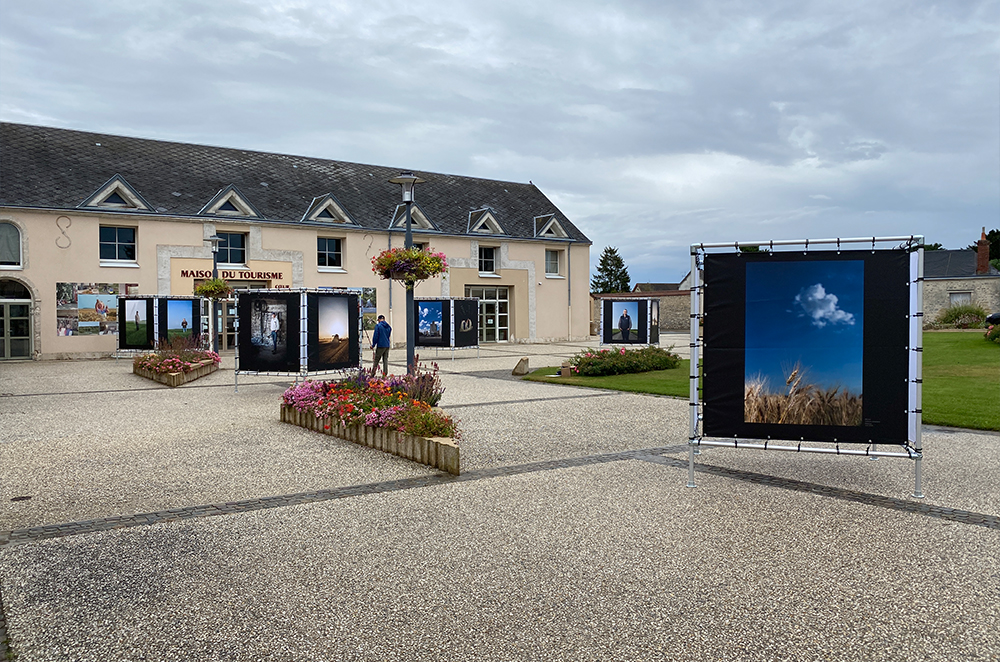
<point x="407" y="180"/>
<point x="215" y="239"/>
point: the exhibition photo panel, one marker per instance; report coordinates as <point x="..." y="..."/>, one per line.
<point x="466" y="322"/>
<point x="269" y="332"/>
<point x="807" y="346"/>
<point x="433" y="322"/>
<point x="625" y="322"/>
<point x="180" y="320"/>
<point x="333" y="338"/>
<point x="135" y="330"/>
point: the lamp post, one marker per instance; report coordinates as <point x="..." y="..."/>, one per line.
<point x="215" y="239"/>
<point x="407" y="180"/>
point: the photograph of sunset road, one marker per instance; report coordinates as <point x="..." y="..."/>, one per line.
<point x="334" y="336"/>
<point x="804" y="342"/>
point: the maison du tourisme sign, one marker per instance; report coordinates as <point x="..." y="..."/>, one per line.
<point x="231" y="275"/>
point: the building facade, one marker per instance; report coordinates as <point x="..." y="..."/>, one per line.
<point x="85" y="217"/>
<point x="960" y="277"/>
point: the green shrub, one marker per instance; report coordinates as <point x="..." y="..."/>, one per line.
<point x="993" y="333"/>
<point x="621" y="361"/>
<point x="962" y="317"/>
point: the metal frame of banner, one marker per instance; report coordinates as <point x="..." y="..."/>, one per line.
<point x="914" y="448"/>
<point x="454" y="330"/>
<point x="303" y="372"/>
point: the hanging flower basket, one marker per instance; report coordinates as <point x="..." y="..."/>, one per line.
<point x="408" y="266"/>
<point x="214" y="289"/>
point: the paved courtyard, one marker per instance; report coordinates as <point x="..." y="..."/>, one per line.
<point x="190" y="524"/>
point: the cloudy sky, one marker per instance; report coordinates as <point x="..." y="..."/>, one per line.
<point x="651" y="124"/>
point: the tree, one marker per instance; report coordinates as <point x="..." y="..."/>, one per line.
<point x="993" y="236"/>
<point x="933" y="247"/>
<point x="612" y="274"/>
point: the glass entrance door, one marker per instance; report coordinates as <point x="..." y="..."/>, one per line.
<point x="15" y="330"/>
<point x="494" y="312"/>
<point x="226" y="322"/>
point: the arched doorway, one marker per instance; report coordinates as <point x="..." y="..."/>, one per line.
<point x="15" y="320"/>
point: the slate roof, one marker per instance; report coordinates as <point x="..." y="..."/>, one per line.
<point x="44" y="167"/>
<point x="654" y="287"/>
<point x="952" y="264"/>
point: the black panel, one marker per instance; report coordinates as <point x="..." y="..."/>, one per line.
<point x="466" y="322"/>
<point x="178" y="317"/>
<point x="258" y="351"/>
<point x="434" y="325"/>
<point x="133" y="334"/>
<point x="879" y="346"/>
<point x="333" y="337"/>
<point x="612" y="333"/>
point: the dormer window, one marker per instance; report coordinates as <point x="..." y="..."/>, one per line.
<point x="482" y="221"/>
<point x="327" y="209"/>
<point x="116" y="193"/>
<point x="417" y="218"/>
<point x="548" y="227"/>
<point x="229" y="202"/>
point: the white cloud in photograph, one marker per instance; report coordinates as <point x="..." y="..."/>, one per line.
<point x="821" y="307"/>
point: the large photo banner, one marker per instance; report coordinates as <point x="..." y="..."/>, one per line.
<point x="135" y="328"/>
<point x="334" y="337"/>
<point x="433" y="322"/>
<point x="268" y="337"/>
<point x="87" y="309"/>
<point x="807" y="346"/>
<point x="466" y="328"/>
<point x="179" y="320"/>
<point x="625" y="322"/>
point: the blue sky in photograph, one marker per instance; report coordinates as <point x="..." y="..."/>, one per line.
<point x="430" y="311"/>
<point x="178" y="310"/>
<point x="809" y="312"/>
<point x="333" y="317"/>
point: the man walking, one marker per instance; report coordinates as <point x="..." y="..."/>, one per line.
<point x="381" y="343"/>
<point x="624" y="325"/>
<point x="275" y="325"/>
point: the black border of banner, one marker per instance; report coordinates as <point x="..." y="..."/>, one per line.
<point x="312" y="336"/>
<point x="161" y="330"/>
<point x="248" y="352"/>
<point x="150" y="331"/>
<point x="885" y="380"/>
<point x="640" y="326"/>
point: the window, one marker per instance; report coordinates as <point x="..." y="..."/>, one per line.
<point x="551" y="263"/>
<point x="328" y="252"/>
<point x="487" y="263"/>
<point x="960" y="298"/>
<point x="10" y="245"/>
<point x="232" y="248"/>
<point x="117" y="243"/>
<point x="420" y="246"/>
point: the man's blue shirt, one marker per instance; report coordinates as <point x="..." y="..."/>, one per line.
<point x="381" y="336"/>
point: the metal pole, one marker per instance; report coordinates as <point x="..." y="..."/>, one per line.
<point x="693" y="372"/>
<point x="410" y="335"/>
<point x="918" y="349"/>
<point x="215" y="302"/>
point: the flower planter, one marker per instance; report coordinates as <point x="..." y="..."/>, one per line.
<point x="439" y="452"/>
<point x="207" y="367"/>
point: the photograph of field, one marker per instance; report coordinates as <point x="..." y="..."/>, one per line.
<point x="334" y="331"/>
<point x="429" y="322"/>
<point x="804" y="342"/>
<point x="654" y="322"/>
<point x="624" y="314"/>
<point x="135" y="322"/>
<point x="180" y="318"/>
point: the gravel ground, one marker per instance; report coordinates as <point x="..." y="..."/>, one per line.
<point x="614" y="561"/>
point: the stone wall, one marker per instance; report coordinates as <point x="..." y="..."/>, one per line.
<point x="985" y="293"/>
<point x="675" y="312"/>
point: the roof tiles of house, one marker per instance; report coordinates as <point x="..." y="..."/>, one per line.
<point x="51" y="168"/>
<point x="952" y="264"/>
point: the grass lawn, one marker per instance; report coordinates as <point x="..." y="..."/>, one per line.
<point x="660" y="382"/>
<point x="961" y="380"/>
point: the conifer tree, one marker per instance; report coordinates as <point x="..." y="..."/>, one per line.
<point x="612" y="274"/>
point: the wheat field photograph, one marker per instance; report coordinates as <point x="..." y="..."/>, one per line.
<point x="804" y="351"/>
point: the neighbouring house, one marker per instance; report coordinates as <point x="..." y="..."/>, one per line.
<point x="959" y="277"/>
<point x="96" y="215"/>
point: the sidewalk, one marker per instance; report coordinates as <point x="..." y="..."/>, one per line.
<point x="570" y="534"/>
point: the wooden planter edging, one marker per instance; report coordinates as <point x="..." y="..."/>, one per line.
<point x="207" y="367"/>
<point x="439" y="452"/>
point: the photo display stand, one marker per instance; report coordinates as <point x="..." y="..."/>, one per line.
<point x="150" y="320"/>
<point x="297" y="332"/>
<point x="630" y="321"/>
<point x="808" y="341"/>
<point x="447" y="322"/>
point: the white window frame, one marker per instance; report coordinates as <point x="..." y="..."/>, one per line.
<point x="559" y="263"/>
<point x="492" y="273"/>
<point x="966" y="293"/>
<point x="327" y="269"/>
<point x="115" y="262"/>
<point x="245" y="249"/>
